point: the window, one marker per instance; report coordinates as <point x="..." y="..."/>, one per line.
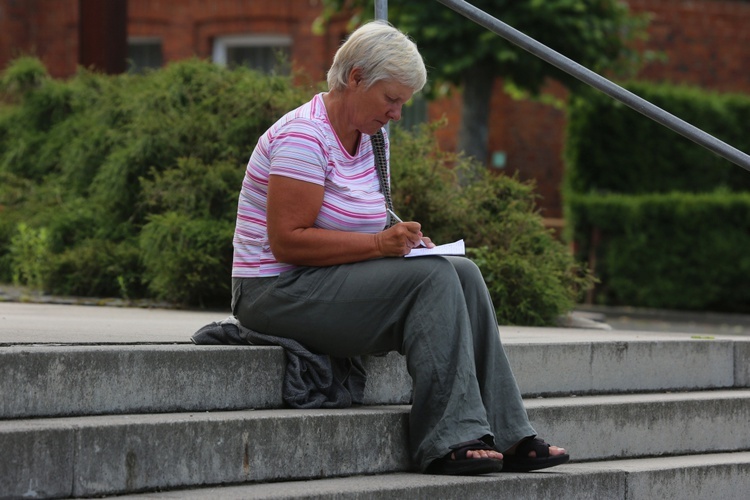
<point x="144" y="53"/>
<point x="266" y="53"/>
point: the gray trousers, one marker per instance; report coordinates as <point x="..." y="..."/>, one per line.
<point x="434" y="310"/>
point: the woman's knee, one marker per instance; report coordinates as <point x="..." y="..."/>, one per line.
<point x="467" y="270"/>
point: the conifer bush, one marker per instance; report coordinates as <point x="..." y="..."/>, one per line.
<point x="102" y="163"/>
<point x="133" y="181"/>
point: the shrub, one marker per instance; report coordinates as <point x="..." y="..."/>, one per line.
<point x="30" y="256"/>
<point x="531" y="275"/>
<point x="24" y="75"/>
<point x="99" y="268"/>
<point x="188" y="260"/>
<point x="186" y="245"/>
<point x="95" y="159"/>
<point x="133" y="181"/>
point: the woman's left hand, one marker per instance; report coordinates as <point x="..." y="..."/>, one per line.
<point x="426" y="242"/>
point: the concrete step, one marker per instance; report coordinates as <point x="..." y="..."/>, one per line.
<point x="637" y="425"/>
<point x="711" y="477"/>
<point x="45" y="381"/>
<point x="97" y="455"/>
<point x="60" y="380"/>
<point x="101" y="455"/>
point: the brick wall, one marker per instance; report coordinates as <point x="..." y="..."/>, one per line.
<point x="707" y="43"/>
<point x="189" y="27"/>
<point x="47" y="29"/>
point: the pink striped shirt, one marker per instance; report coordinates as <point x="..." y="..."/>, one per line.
<point x="302" y="145"/>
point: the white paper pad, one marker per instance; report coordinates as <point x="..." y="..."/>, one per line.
<point x="455" y="248"/>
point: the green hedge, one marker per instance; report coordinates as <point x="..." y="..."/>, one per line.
<point x="664" y="222"/>
<point x="673" y="251"/>
<point x="613" y="149"/>
<point x="127" y="186"/>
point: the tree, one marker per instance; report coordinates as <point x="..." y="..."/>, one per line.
<point x="595" y="33"/>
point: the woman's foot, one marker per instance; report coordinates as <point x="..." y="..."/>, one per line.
<point x="532" y="453"/>
<point x="469" y="458"/>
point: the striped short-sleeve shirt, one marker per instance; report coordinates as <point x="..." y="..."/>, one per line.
<point x="302" y="145"/>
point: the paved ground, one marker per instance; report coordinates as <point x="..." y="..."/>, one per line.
<point x="633" y="319"/>
<point x="32" y="318"/>
<point x="31" y="323"/>
<point x="51" y="323"/>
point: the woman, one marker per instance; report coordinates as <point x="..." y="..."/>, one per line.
<point x="313" y="262"/>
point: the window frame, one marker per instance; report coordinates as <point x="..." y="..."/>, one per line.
<point x="221" y="44"/>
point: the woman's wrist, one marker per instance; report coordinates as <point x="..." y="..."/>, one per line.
<point x="379" y="250"/>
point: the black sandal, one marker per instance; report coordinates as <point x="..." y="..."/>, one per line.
<point x="463" y="465"/>
<point x="520" y="461"/>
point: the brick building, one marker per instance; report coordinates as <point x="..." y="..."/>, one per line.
<point x="706" y="42"/>
<point x="160" y="31"/>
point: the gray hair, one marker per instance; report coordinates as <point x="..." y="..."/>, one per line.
<point x="382" y="53"/>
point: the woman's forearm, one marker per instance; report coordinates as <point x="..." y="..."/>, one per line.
<point x="322" y="247"/>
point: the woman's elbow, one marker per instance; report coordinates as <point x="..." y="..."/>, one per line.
<point x="281" y="252"/>
<point x="284" y="249"/>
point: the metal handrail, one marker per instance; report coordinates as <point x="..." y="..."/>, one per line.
<point x="599" y="82"/>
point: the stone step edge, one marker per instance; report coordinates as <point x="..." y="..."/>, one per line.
<point x="103" y="380"/>
<point x="716" y="475"/>
<point x="531" y="403"/>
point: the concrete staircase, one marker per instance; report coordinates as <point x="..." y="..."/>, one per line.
<point x="643" y="416"/>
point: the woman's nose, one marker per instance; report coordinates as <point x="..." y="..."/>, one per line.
<point x="395" y="113"/>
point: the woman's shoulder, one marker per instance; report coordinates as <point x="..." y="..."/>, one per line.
<point x="306" y="119"/>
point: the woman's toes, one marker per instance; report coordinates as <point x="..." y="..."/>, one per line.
<point x="553" y="451"/>
<point x="556" y="450"/>
<point x="484" y="454"/>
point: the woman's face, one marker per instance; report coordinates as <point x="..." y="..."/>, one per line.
<point x="372" y="108"/>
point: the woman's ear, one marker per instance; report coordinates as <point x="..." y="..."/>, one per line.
<point x="355" y="77"/>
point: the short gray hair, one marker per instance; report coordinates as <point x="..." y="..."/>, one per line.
<point x="382" y="53"/>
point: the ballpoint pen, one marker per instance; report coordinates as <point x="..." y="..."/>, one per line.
<point x="393" y="214"/>
<point x="398" y="219"/>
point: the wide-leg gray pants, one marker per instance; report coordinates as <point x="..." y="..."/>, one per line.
<point x="434" y="310"/>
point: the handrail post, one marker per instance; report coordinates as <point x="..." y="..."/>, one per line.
<point x="600" y="83"/>
<point x="381" y="9"/>
<point x="381" y="13"/>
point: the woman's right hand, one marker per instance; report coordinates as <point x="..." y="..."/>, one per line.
<point x="398" y="240"/>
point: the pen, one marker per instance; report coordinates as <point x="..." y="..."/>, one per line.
<point x="398" y="219"/>
<point x="393" y="214"/>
